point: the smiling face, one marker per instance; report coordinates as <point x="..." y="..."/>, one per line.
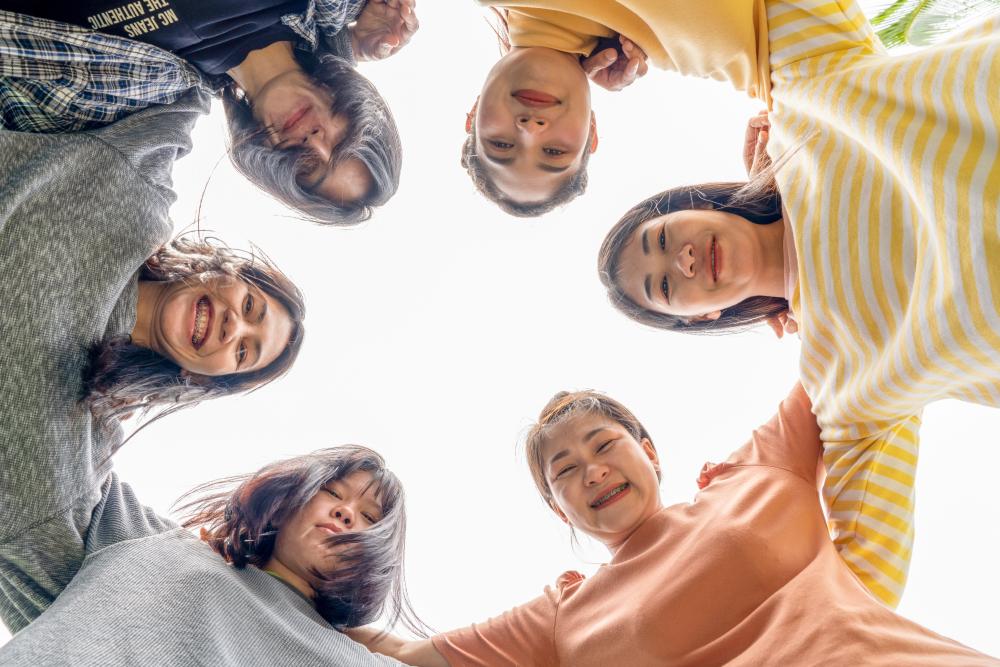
<point x="218" y="326"/>
<point x="532" y="122"/>
<point x="603" y="481"/>
<point x="341" y="506"/>
<point x="694" y="263"/>
<point x="297" y="114"/>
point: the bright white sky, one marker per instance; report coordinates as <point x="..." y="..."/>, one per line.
<point x="437" y="331"/>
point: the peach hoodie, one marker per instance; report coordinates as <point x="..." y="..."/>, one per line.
<point x="746" y="574"/>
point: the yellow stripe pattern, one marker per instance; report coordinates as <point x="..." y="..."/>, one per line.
<point x="893" y="196"/>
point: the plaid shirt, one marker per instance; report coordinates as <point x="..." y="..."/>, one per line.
<point x="57" y="77"/>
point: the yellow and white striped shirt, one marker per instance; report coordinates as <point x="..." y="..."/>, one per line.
<point x="893" y="196"/>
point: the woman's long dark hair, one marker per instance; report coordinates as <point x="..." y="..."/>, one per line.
<point x="758" y="201"/>
<point x="240" y="518"/>
<point x="122" y="378"/>
<point x="372" y="138"/>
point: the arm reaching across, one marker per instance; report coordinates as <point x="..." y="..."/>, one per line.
<point x="869" y="493"/>
<point x="418" y="653"/>
<point x="868" y="489"/>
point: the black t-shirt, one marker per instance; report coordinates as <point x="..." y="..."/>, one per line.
<point x="213" y="35"/>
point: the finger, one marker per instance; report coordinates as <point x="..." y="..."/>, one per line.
<point x="599" y="61"/>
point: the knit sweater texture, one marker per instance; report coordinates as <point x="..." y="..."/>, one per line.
<point x="88" y="576"/>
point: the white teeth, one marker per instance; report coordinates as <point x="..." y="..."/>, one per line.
<point x="200" y="322"/>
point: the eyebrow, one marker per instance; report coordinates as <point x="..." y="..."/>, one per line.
<point x="498" y="160"/>
<point x="551" y="169"/>
<point x="504" y="161"/>
<point x="649" y="294"/>
<point x="564" y="453"/>
<point x="645" y="242"/>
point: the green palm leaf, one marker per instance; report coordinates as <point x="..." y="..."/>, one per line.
<point x="923" y="22"/>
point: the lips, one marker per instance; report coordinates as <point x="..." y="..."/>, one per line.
<point x="331" y="528"/>
<point x="609" y="495"/>
<point x="201" y="321"/>
<point x="535" y="98"/>
<point x="292" y="120"/>
<point x="714" y="256"/>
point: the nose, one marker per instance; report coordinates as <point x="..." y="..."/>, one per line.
<point x="595" y="474"/>
<point x="233" y="325"/>
<point x="316" y="141"/>
<point x="685" y="260"/>
<point x="345" y="515"/>
<point x="531" y="124"/>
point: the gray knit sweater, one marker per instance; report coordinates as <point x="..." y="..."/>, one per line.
<point x="118" y="585"/>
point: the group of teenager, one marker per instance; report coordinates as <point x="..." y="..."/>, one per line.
<point x="867" y="227"/>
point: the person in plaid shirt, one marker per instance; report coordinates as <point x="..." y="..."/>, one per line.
<point x="304" y="125"/>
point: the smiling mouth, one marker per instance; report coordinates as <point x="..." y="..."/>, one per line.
<point x="610" y="496"/>
<point x="715" y="261"/>
<point x="535" y="98"/>
<point x="202" y="318"/>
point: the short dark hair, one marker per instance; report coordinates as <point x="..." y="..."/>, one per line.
<point x="372" y="138"/>
<point x="240" y="518"/>
<point x="122" y="378"/>
<point x="758" y="201"/>
<point x="575" y="186"/>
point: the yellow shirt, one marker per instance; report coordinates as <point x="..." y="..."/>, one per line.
<point x="719" y="39"/>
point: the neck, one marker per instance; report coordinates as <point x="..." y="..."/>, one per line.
<point x="145" y="307"/>
<point x="772" y="279"/>
<point x="278" y="569"/>
<point x="262" y="66"/>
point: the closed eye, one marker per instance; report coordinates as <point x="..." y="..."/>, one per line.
<point x="369" y="518"/>
<point x="334" y="494"/>
<point x="565" y="471"/>
<point x="605" y="446"/>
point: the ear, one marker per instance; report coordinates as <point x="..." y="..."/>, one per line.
<point x="650" y="452"/>
<point x="559" y="513"/>
<point x="471" y="117"/>
<point x="593" y="132"/>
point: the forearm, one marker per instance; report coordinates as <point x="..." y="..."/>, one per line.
<point x="870" y="496"/>
<point x="419" y="653"/>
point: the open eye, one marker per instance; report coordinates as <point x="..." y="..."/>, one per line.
<point x="248" y="304"/>
<point x="665" y="288"/>
<point x="553" y="152"/>
<point x="663" y="239"/>
<point x="241" y="353"/>
<point x="334" y="493"/>
<point x="500" y="145"/>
